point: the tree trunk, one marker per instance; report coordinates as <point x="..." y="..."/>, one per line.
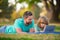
<point x="52" y="10"/>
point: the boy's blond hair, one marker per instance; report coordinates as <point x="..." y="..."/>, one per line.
<point x="44" y="18"/>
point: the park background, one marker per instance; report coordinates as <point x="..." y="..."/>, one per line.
<point x="13" y="9"/>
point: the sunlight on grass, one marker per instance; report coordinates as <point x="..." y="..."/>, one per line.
<point x="30" y="37"/>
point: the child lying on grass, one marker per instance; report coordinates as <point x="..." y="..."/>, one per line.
<point x="41" y="25"/>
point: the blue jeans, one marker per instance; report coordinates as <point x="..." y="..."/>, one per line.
<point x="2" y="29"/>
<point x="45" y="33"/>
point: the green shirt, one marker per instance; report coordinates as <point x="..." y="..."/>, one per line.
<point x="10" y="29"/>
<point x="19" y="23"/>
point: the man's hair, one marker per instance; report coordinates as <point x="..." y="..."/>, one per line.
<point x="27" y="13"/>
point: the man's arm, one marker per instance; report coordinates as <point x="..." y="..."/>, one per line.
<point x="17" y="26"/>
<point x="18" y="30"/>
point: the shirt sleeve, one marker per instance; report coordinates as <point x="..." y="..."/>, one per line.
<point x="16" y="24"/>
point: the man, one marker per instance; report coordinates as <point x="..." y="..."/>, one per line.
<point x="21" y="25"/>
<point x="25" y="24"/>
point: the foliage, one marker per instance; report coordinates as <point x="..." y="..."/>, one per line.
<point x="6" y="11"/>
<point x="21" y="12"/>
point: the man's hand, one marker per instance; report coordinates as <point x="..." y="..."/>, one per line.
<point x="32" y="30"/>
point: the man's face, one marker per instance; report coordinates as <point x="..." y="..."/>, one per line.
<point x="29" y="20"/>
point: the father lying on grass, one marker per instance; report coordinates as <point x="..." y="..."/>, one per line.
<point x="25" y="24"/>
<point x="21" y="25"/>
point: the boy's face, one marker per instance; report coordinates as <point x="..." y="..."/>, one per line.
<point x="42" y="23"/>
<point x="29" y="20"/>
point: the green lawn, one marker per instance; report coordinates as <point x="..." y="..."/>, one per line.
<point x="57" y="28"/>
<point x="32" y="36"/>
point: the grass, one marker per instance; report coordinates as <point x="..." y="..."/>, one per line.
<point x="31" y="36"/>
<point x="4" y="23"/>
<point x="57" y="28"/>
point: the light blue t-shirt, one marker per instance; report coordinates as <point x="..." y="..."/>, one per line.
<point x="37" y="29"/>
<point x="10" y="29"/>
<point x="19" y="23"/>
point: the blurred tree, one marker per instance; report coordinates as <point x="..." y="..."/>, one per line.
<point x="30" y="2"/>
<point x="33" y="5"/>
<point x="14" y="15"/>
<point x="21" y="12"/>
<point x="53" y="8"/>
<point x="36" y="11"/>
<point x="6" y="11"/>
<point x="3" y="7"/>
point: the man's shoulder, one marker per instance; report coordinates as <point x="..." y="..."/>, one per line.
<point x="19" y="21"/>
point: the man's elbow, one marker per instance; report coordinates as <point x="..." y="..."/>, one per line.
<point x="18" y="30"/>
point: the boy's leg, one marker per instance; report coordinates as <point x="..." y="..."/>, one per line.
<point x="2" y="29"/>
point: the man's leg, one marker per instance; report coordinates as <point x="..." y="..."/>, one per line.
<point x="2" y="29"/>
